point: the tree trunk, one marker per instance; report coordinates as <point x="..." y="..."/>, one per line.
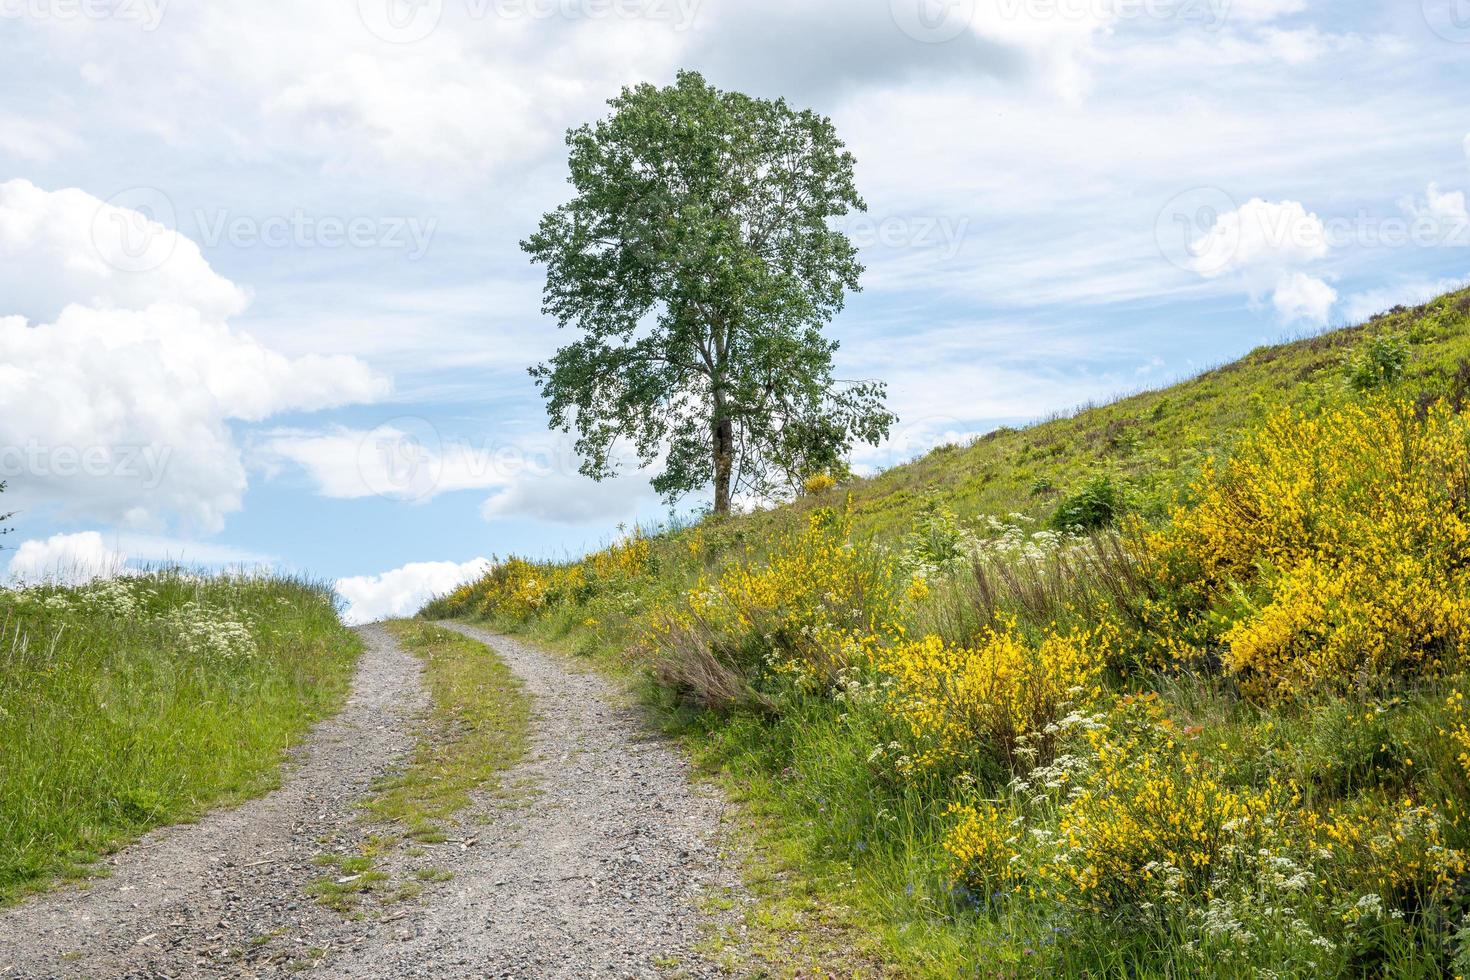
<point x="724" y="433"/>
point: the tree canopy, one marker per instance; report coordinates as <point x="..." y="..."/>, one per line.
<point x="698" y="263"/>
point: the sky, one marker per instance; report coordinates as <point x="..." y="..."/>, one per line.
<point x="262" y="301"/>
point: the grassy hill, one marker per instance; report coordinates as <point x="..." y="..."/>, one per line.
<point x="1170" y="686"/>
<point x="1155" y="436"/>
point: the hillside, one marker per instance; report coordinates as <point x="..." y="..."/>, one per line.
<point x="1171" y="686"/>
<point x="1155" y="435"/>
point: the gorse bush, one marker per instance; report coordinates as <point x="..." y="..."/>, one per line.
<point x="517" y="589"/>
<point x="997" y="697"/>
<point x="815" y="606"/>
<point x="1332" y="550"/>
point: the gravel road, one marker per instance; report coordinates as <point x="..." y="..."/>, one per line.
<point x="591" y="866"/>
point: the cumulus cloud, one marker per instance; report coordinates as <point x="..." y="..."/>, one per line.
<point x="570" y="498"/>
<point x="402" y="591"/>
<point x="1300" y="297"/>
<point x="367" y="103"/>
<point x="402" y="459"/>
<point x="65" y="558"/>
<point x="119" y="408"/>
<point x="67" y="247"/>
<point x="1260" y="237"/>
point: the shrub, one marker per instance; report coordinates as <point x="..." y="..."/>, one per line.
<point x="959" y="705"/>
<point x="1333" y="550"/>
<point x="814" y="606"/>
<point x="982" y="846"/>
<point x="1098" y="504"/>
<point x="517" y="589"/>
<point x="818" y="483"/>
<point x="1377" y="362"/>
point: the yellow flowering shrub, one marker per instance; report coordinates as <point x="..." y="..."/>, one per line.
<point x="519" y="589"/>
<point x="982" y="845"/>
<point x="1144" y="814"/>
<point x="1133" y="813"/>
<point x="818" y="483"/>
<point x="1333" y="549"/>
<point x="816" y="604"/>
<point x="995" y="697"/>
<point x="627" y="559"/>
<point x="1395" y="848"/>
<point x="515" y="588"/>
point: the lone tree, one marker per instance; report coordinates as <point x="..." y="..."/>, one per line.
<point x="697" y="263"/>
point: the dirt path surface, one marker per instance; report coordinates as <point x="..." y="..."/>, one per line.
<point x="592" y="868"/>
<point x="597" y="874"/>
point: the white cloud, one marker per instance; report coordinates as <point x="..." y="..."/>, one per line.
<point x="1260" y="237"/>
<point x="1300" y="297"/>
<point x="1444" y="207"/>
<point x="402" y="591"/>
<point x="66" y="247"/>
<point x="119" y="409"/>
<point x="65" y="558"/>
<point x="403" y="459"/>
<point x="570" y="498"/>
<point x="1260" y="11"/>
<point x="33" y="140"/>
<point x="1466" y="146"/>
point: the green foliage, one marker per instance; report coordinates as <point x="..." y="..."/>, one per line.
<point x="1096" y="505"/>
<point x="938" y="541"/>
<point x="1377" y="362"/>
<point x="131" y="703"/>
<point x="697" y="262"/>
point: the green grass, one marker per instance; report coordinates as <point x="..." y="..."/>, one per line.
<point x="475" y="730"/>
<point x="1153" y="440"/>
<point x="144" y="701"/>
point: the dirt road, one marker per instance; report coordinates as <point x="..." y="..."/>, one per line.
<point x="594" y="865"/>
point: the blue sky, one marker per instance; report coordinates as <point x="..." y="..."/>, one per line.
<point x="261" y="298"/>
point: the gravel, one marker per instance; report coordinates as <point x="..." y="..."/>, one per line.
<point x="596" y="873"/>
<point x="590" y="863"/>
